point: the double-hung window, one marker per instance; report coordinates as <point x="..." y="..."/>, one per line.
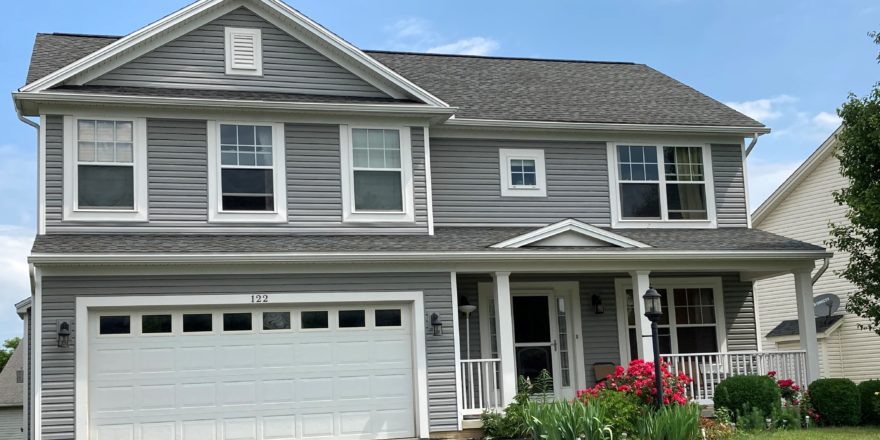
<point x="522" y="172"/>
<point x="246" y="178"/>
<point x="661" y="183"/>
<point x="377" y="174"/>
<point x="692" y="320"/>
<point x="105" y="169"/>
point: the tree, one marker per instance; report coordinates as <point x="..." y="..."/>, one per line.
<point x="6" y="351"/>
<point x="858" y="150"/>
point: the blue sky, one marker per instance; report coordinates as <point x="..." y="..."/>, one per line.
<point x="789" y="63"/>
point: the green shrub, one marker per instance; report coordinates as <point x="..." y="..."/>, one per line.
<point x="622" y="410"/>
<point x="751" y="419"/>
<point x="870" y="396"/>
<point x="567" y="420"/>
<point x="836" y="401"/>
<point x="672" y="422"/>
<point x="511" y="424"/>
<point x="789" y="418"/>
<point x="759" y="392"/>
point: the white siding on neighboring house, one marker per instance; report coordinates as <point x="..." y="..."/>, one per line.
<point x="11" y="422"/>
<point x="804" y="213"/>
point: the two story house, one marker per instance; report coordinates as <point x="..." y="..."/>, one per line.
<point x="251" y="229"/>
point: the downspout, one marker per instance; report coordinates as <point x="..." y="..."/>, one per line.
<point x="822" y="270"/>
<point x="752" y="144"/>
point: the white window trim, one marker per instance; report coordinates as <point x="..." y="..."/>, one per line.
<point x="279" y="182"/>
<point x="614" y="180"/>
<point x="71" y="209"/>
<point x="505" y="155"/>
<point x="349" y="213"/>
<point x="715" y="283"/>
<point x="231" y="68"/>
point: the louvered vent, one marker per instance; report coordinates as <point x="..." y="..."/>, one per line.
<point x="244" y="51"/>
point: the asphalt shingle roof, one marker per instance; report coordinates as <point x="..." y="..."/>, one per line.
<point x="228" y="94"/>
<point x="500" y="88"/>
<point x="446" y="239"/>
<point x="12" y="392"/>
<point x="790" y="327"/>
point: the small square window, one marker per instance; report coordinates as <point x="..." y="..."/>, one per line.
<point x="522" y="173"/>
<point x="276" y="320"/>
<point x="197" y="322"/>
<point x="115" y="325"/>
<point x="352" y="318"/>
<point x="237" y="322"/>
<point x="156" y="324"/>
<point x="388" y="318"/>
<point x="315" y="320"/>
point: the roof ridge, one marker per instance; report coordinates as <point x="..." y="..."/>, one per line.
<point x="71" y="34"/>
<point x="495" y="57"/>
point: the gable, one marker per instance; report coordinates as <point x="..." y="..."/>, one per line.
<point x="198" y="60"/>
<point x="569" y="233"/>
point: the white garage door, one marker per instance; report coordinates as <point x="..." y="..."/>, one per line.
<point x="341" y="372"/>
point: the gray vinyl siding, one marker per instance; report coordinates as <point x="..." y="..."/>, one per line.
<point x="59" y="296"/>
<point x="600" y="331"/>
<point x="54" y="125"/>
<point x="11" y="421"/>
<point x="197" y="60"/>
<point x="730" y="186"/>
<point x="467" y="185"/>
<point x="177" y="169"/>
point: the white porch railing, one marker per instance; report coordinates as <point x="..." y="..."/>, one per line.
<point x="480" y="386"/>
<point x="709" y="369"/>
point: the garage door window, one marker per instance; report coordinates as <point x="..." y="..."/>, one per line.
<point x="151" y="324"/>
<point x="115" y="325"/>
<point x="314" y="320"/>
<point x="276" y="320"/>
<point x="388" y="318"/>
<point x="237" y="322"/>
<point x="197" y="323"/>
<point x="352" y="319"/>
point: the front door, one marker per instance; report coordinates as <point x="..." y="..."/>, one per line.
<point x="541" y="340"/>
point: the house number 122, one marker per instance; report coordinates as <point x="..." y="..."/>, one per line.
<point x="259" y="298"/>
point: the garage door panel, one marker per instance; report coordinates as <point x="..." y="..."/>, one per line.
<point x="353" y="383"/>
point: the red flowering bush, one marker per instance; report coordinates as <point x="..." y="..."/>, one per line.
<point x="638" y="379"/>
<point x="790" y="391"/>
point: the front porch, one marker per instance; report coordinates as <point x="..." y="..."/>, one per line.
<point x="579" y="326"/>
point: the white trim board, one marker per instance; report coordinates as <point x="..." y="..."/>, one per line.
<point x="566" y="226"/>
<point x="85" y="304"/>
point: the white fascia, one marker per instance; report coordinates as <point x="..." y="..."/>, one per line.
<point x="570" y="225"/>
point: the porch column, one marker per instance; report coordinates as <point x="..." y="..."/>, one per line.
<point x="803" y="287"/>
<point x="641" y="283"/>
<point x="504" y="332"/>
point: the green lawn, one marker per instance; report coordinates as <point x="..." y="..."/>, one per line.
<point x="818" y="434"/>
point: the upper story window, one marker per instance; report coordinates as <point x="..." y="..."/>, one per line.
<point x="246" y="178"/>
<point x="105" y="169"/>
<point x="377" y="174"/>
<point x="244" y="51"/>
<point x="661" y="184"/>
<point x="522" y="173"/>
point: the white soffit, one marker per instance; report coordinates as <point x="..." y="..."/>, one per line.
<point x="570" y="233"/>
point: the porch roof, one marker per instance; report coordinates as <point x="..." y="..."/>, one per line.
<point x="445" y="240"/>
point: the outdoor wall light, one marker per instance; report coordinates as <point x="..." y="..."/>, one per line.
<point x="63" y="330"/>
<point x="437" y="325"/>
<point x="597" y="305"/>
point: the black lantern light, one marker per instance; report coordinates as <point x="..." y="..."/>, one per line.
<point x="436" y="325"/>
<point x="653" y="311"/>
<point x="63" y="334"/>
<point x="598" y="308"/>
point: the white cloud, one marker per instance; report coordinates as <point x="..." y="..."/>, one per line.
<point x="763" y="109"/>
<point x="468" y="46"/>
<point x="827" y="120"/>
<point x="418" y="35"/>
<point x="765" y="177"/>
<point x="15" y="245"/>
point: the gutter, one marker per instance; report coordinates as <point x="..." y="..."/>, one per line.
<point x="552" y="125"/>
<point x="409" y="257"/>
<point x="821" y="270"/>
<point x="753" y="143"/>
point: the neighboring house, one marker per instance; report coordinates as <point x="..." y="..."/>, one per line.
<point x="12" y="397"/>
<point x="249" y="228"/>
<point x="803" y="208"/>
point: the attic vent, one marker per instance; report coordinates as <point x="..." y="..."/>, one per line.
<point x="244" y="51"/>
